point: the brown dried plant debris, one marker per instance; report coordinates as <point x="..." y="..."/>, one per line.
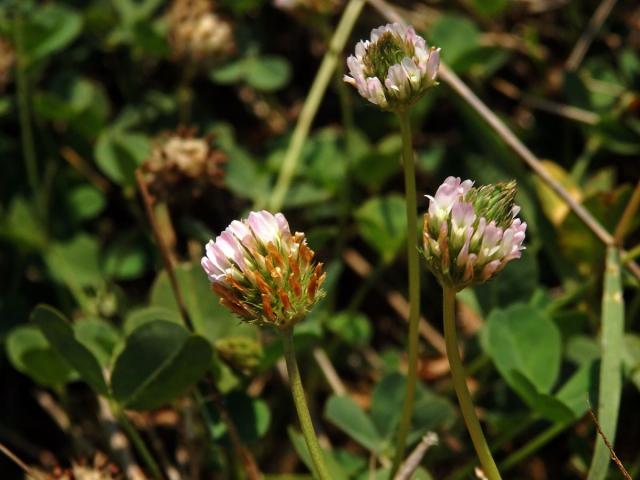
<point x="198" y="35"/>
<point x="181" y="164"/>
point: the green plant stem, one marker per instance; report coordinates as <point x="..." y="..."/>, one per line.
<point x="137" y="441"/>
<point x="26" y="130"/>
<point x="460" y="384"/>
<point x="312" y="102"/>
<point x="300" y="401"/>
<point x="532" y="446"/>
<point x="414" y="289"/>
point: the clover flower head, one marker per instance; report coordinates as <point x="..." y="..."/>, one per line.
<point x="471" y="233"/>
<point x="183" y="164"/>
<point x="197" y="34"/>
<point x="394" y="68"/>
<point x="262" y="272"/>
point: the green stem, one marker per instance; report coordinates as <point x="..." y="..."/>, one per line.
<point x="300" y="402"/>
<point x="535" y="444"/>
<point x="460" y="385"/>
<point x="414" y="288"/>
<point x="22" y="84"/>
<point x="312" y="102"/>
<point x="137" y="441"/>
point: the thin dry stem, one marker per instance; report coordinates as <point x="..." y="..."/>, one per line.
<point x="74" y="159"/>
<point x="165" y="253"/>
<point x="614" y="457"/>
<point x="584" y="42"/>
<point x="628" y="215"/>
<point x="412" y="462"/>
<point x="15" y="459"/>
<point x="329" y="371"/>
<point x="396" y="300"/>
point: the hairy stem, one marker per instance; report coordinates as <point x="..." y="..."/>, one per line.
<point x="460" y="384"/>
<point x="300" y="402"/>
<point x="414" y="288"/>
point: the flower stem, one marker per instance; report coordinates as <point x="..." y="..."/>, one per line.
<point x="301" y="407"/>
<point x="460" y="384"/>
<point x="137" y="441"/>
<point x="24" y="107"/>
<point x="414" y="288"/>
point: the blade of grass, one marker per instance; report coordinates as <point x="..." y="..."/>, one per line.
<point x="611" y="366"/>
<point x="312" y="102"/>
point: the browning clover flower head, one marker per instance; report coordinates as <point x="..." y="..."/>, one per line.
<point x="262" y="272"/>
<point x="394" y="68"/>
<point x="183" y="163"/>
<point x="197" y="35"/>
<point x="470" y="233"/>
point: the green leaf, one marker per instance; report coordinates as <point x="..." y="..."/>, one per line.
<point x="268" y="73"/>
<point x="99" y="336"/>
<point x="455" y="35"/>
<point x="251" y="416"/>
<point x="30" y="353"/>
<point x="138" y="317"/>
<point x="524" y="339"/>
<point x="61" y="337"/>
<point x="490" y="8"/>
<point x="350" y="418"/>
<point x="576" y="393"/>
<point x="631" y="357"/>
<point x="118" y="154"/>
<point x="75" y="263"/>
<point x="86" y="202"/>
<point x="611" y="341"/>
<point x="160" y="361"/>
<point x="232" y="72"/>
<point x="545" y="404"/>
<point x="125" y="258"/>
<point x="516" y="283"/>
<point x="383" y="224"/>
<point x="22" y="226"/>
<point x="354" y="328"/>
<point x="48" y="29"/>
<point x="210" y="319"/>
<point x="430" y="412"/>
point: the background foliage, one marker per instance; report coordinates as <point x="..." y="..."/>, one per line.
<point x="90" y="86"/>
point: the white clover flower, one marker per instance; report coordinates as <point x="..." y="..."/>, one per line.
<point x="471" y="233"/>
<point x="262" y="272"/>
<point x="394" y="68"/>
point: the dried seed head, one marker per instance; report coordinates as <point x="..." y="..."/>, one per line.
<point x="471" y="233"/>
<point x="197" y="35"/>
<point x="262" y="272"/>
<point x="394" y="68"/>
<point x="181" y="162"/>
